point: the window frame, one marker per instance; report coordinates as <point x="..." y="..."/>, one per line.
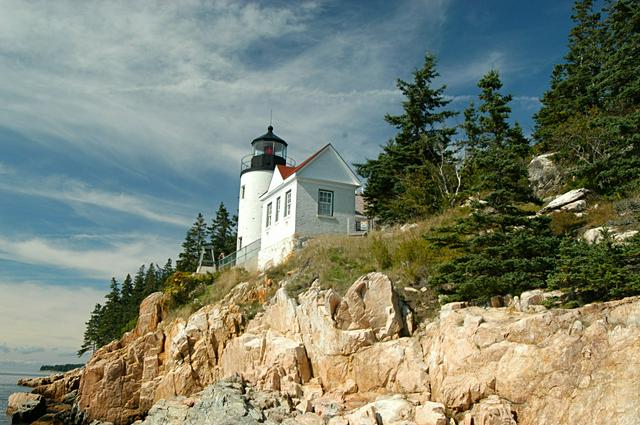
<point x="242" y="190"/>
<point x="269" y="210"/>
<point x="325" y="203"/>
<point x="277" y="209"/>
<point x="287" y="203"/>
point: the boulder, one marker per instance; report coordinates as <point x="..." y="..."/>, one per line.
<point x="577" y="206"/>
<point x="25" y="407"/>
<point x="545" y="176"/>
<point x="385" y="410"/>
<point x="491" y="411"/>
<point x="431" y="413"/>
<point x="565" y="199"/>
<point x="596" y="234"/>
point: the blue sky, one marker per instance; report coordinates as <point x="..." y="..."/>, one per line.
<point x="120" y="121"/>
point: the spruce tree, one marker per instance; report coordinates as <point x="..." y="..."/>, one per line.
<point x="415" y="167"/>
<point x="167" y="270"/>
<point x="151" y="283"/>
<point x="574" y="83"/>
<point x="112" y="322"/>
<point x="92" y="338"/>
<point x="129" y="304"/>
<point x="191" y="247"/>
<point x="222" y="232"/>
<point x="501" y="249"/>
<point x="138" y="285"/>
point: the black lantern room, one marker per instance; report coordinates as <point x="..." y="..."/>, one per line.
<point x="269" y="150"/>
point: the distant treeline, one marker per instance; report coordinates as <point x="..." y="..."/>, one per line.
<point x="61" y="367"/>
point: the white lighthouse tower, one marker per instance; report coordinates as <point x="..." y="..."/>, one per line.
<point x="256" y="170"/>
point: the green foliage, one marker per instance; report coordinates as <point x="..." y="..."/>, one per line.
<point x="381" y="253"/>
<point x="591" y="113"/>
<point x="222" y="231"/>
<point x="500" y="248"/>
<point x="499" y="255"/>
<point x="418" y="152"/>
<point x="181" y="285"/>
<point x="192" y="246"/>
<point x="598" y="272"/>
<point x="119" y="313"/>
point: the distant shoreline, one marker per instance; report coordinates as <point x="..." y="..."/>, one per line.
<point x="61" y="367"/>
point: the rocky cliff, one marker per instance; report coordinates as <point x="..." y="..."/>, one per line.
<point x="358" y="359"/>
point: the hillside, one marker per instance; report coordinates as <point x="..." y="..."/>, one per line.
<point x="360" y="358"/>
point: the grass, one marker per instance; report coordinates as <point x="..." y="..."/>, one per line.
<point x="336" y="261"/>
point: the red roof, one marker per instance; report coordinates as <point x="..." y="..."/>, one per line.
<point x="285" y="171"/>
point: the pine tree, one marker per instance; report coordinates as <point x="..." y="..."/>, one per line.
<point x="222" y="232"/>
<point x="138" y="285"/>
<point x="574" y="83"/>
<point x="501" y="249"/>
<point x="151" y="283"/>
<point x="112" y="322"/>
<point x="191" y="247"/>
<point x="167" y="270"/>
<point x="92" y="339"/>
<point x="418" y="153"/>
<point x="129" y="305"/>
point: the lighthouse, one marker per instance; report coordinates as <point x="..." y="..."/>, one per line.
<point x="256" y="170"/>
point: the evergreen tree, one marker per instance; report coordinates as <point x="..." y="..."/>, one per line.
<point x="129" y="304"/>
<point x="418" y="153"/>
<point x="192" y="245"/>
<point x="591" y="113"/>
<point x="167" y="270"/>
<point x="92" y="338"/>
<point x="138" y="285"/>
<point x="599" y="271"/>
<point x="574" y="86"/>
<point x="222" y="231"/>
<point x="501" y="249"/>
<point x="151" y="283"/>
<point x="112" y="323"/>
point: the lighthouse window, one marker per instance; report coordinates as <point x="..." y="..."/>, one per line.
<point x="277" y="208"/>
<point x="325" y="203"/>
<point x="242" y="192"/>
<point x="269" y="208"/>
<point x="287" y="203"/>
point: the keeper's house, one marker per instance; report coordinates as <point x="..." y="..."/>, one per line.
<point x="281" y="203"/>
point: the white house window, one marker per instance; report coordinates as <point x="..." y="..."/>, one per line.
<point x="278" y="208"/>
<point x="325" y="203"/>
<point x="242" y="192"/>
<point x="287" y="203"/>
<point x="269" y="208"/>
<point x="240" y="243"/>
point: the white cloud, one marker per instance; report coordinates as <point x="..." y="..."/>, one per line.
<point x="188" y="84"/>
<point x="116" y="258"/>
<point x="72" y="191"/>
<point x="43" y="322"/>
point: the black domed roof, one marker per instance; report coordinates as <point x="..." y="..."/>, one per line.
<point x="269" y="136"/>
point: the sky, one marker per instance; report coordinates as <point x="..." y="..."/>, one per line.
<point x="120" y="120"/>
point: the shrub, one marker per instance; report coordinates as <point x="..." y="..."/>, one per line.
<point x="381" y="253"/>
<point x="597" y="272"/>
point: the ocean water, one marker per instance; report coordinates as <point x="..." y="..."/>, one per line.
<point x="8" y="378"/>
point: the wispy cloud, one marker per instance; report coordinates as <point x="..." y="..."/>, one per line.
<point x="115" y="258"/>
<point x="71" y="191"/>
<point x="188" y="84"/>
